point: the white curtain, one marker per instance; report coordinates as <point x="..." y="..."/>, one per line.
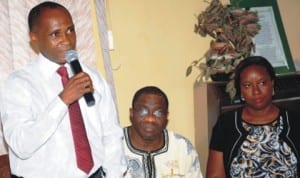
<point x="15" y="50"/>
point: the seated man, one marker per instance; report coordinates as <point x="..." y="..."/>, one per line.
<point x="151" y="150"/>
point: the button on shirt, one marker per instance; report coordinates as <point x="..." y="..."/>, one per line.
<point x="37" y="128"/>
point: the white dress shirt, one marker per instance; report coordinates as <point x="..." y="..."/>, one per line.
<point x="37" y="128"/>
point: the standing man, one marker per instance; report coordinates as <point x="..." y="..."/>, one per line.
<point x="38" y="103"/>
<point x="151" y="150"/>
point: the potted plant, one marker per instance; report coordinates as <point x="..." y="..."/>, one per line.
<point x="231" y="29"/>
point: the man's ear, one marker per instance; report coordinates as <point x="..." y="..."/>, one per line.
<point x="167" y="122"/>
<point x="131" y="114"/>
<point x="33" y="36"/>
<point x="33" y="41"/>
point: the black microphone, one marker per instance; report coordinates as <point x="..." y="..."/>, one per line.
<point x="72" y="59"/>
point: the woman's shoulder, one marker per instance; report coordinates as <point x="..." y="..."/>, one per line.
<point x="290" y="118"/>
<point x="292" y="115"/>
<point x="231" y="115"/>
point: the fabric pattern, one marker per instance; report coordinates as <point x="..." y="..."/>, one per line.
<point x="263" y="154"/>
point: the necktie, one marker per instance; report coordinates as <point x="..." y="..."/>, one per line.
<point x="82" y="148"/>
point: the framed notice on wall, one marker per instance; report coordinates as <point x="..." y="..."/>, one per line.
<point x="271" y="41"/>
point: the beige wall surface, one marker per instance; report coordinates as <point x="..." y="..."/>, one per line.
<point x="290" y="14"/>
<point x="154" y="43"/>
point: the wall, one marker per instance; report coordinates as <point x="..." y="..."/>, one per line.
<point x="154" y="44"/>
<point x="290" y="13"/>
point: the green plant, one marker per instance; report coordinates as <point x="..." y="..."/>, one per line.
<point x="231" y="29"/>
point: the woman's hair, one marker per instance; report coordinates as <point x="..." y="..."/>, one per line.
<point x="251" y="61"/>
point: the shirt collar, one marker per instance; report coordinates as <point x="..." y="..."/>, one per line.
<point x="48" y="67"/>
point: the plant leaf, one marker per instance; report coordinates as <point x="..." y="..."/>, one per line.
<point x="188" y="71"/>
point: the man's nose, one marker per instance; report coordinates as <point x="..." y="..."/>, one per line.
<point x="150" y="117"/>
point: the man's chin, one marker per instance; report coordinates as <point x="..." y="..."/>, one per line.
<point x="150" y="136"/>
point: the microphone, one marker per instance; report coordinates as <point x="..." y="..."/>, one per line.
<point x="72" y="59"/>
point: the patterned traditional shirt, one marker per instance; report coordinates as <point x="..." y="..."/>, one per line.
<point x="176" y="159"/>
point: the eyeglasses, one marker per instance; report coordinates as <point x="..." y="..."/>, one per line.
<point x="143" y="112"/>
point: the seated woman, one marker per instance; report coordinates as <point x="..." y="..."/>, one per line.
<point x="259" y="139"/>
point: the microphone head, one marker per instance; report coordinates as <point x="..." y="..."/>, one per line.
<point x="71" y="55"/>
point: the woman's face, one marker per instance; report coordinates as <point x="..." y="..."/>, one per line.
<point x="256" y="87"/>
